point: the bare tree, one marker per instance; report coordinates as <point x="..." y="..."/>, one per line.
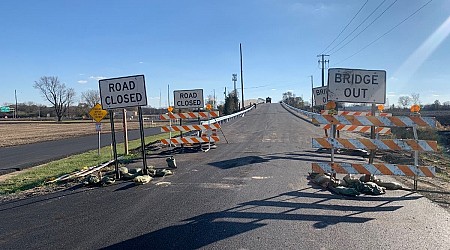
<point x="70" y="96"/>
<point x="55" y="92"/>
<point x="415" y="97"/>
<point x="404" y="101"/>
<point x="90" y="97"/>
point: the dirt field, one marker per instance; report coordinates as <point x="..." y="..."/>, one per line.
<point x="26" y="132"/>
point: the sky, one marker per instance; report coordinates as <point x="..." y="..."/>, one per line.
<point x="181" y="45"/>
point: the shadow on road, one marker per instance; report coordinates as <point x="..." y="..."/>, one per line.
<point x="205" y="229"/>
<point x="311" y="156"/>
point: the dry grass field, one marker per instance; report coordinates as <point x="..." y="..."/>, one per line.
<point x="13" y="133"/>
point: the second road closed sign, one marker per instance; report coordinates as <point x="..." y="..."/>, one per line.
<point x="188" y="98"/>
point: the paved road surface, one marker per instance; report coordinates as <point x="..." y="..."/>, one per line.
<point x="25" y="156"/>
<point x="249" y="194"/>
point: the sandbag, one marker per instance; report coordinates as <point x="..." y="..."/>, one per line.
<point x="322" y="179"/>
<point x="91" y="180"/>
<point x="151" y="172"/>
<point x="135" y="171"/>
<point x="107" y="180"/>
<point x="337" y="182"/>
<point x="370" y="188"/>
<point x="123" y="170"/>
<point x="389" y="185"/>
<point x="142" y="179"/>
<point x="162" y="172"/>
<point x="351" y="180"/>
<point x="344" y="190"/>
<point x="171" y="162"/>
<point x="128" y="176"/>
<point x="368" y="178"/>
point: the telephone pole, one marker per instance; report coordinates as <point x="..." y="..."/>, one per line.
<point x="312" y="93"/>
<point x="242" y="78"/>
<point x="323" y="63"/>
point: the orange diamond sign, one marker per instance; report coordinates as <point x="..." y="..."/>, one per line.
<point x="97" y="113"/>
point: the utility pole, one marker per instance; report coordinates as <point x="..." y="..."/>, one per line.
<point x="242" y="77"/>
<point x="168" y="95"/>
<point x="322" y="62"/>
<point x="312" y="94"/>
<point x="225" y="93"/>
<point x="214" y="102"/>
<point x="234" y="79"/>
<point x="15" y="110"/>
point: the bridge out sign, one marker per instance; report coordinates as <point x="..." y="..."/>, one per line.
<point x="320" y="95"/>
<point x="357" y="85"/>
<point x="188" y="98"/>
<point x="128" y="91"/>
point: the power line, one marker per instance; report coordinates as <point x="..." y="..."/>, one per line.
<point x="345" y="26"/>
<point x="366" y="26"/>
<point x="389" y="31"/>
<point x="357" y="26"/>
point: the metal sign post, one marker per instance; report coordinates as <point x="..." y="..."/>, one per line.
<point x="141" y="128"/>
<point x="372" y="135"/>
<point x="113" y="138"/>
<point x="170" y="109"/>
<point x="98" y="127"/>
<point x="98" y="113"/>
<point x="125" y="130"/>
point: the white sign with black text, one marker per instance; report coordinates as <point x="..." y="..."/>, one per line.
<point x="320" y="95"/>
<point x="188" y="98"/>
<point x="357" y="85"/>
<point x="123" y="92"/>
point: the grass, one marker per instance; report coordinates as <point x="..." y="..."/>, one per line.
<point x="37" y="176"/>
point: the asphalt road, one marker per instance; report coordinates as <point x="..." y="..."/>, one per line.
<point x="25" y="156"/>
<point x="251" y="193"/>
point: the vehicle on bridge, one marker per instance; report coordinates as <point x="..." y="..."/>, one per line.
<point x="268" y="100"/>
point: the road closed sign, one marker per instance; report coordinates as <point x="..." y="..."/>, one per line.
<point x="122" y="92"/>
<point x="357" y="85"/>
<point x="320" y="95"/>
<point x="188" y="98"/>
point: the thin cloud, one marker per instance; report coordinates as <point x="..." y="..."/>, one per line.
<point x="82" y="81"/>
<point x="97" y="77"/>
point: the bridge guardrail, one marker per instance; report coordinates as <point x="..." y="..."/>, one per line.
<point x="228" y="117"/>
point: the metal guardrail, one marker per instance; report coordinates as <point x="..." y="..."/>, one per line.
<point x="301" y="111"/>
<point x="228" y="117"/>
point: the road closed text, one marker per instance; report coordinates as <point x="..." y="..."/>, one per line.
<point x="188" y="98"/>
<point x="124" y="98"/>
<point x="123" y="92"/>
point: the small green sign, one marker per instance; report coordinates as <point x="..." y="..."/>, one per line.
<point x="5" y="109"/>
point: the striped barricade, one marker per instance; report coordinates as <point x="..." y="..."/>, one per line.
<point x="190" y="115"/>
<point x="187" y="128"/>
<point x="354" y="128"/>
<point x="379" y="121"/>
<point x="190" y="140"/>
<point x="373" y="169"/>
<point x="359" y="113"/>
<point x="374" y="144"/>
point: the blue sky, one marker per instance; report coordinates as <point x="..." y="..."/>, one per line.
<point x="195" y="44"/>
